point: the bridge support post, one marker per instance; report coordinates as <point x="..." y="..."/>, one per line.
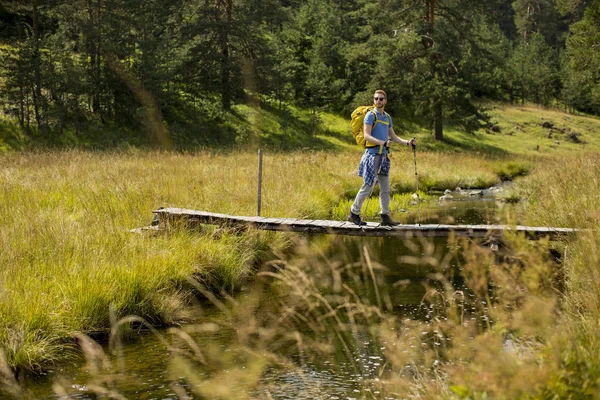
<point x="258" y="195"/>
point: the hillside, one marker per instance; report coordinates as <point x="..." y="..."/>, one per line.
<point x="513" y="130"/>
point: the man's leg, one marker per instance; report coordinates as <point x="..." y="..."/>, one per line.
<point x="363" y="194"/>
<point x="384" y="193"/>
<point x="384" y="201"/>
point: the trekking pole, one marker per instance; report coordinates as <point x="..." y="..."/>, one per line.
<point x="417" y="186"/>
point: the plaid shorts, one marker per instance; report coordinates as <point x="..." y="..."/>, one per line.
<point x="366" y="168"/>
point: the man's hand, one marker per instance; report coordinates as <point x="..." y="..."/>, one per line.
<point x="388" y="143"/>
<point x="412" y="142"/>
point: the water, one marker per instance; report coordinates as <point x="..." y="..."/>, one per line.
<point x="145" y="365"/>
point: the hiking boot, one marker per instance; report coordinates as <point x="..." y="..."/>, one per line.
<point x="387" y="221"/>
<point x="355" y="219"/>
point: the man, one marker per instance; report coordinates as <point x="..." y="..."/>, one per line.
<point x="375" y="165"/>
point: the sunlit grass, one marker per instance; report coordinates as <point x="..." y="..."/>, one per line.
<point x="522" y="130"/>
<point x="562" y="191"/>
<point x="65" y="219"/>
<point x="68" y="254"/>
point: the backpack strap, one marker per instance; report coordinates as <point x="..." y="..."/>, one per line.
<point x="377" y="119"/>
<point x="372" y="110"/>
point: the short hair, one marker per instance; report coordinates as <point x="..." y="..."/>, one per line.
<point x="381" y="92"/>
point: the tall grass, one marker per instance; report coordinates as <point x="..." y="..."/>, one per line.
<point x="68" y="254"/>
<point x="69" y="259"/>
<point x="564" y="194"/>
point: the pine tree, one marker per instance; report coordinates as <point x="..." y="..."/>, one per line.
<point x="581" y="64"/>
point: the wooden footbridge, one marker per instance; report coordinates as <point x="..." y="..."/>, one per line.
<point x="169" y="216"/>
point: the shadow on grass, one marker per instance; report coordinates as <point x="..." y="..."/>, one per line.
<point x="12" y="136"/>
<point x="286" y="129"/>
<point x="470" y="143"/>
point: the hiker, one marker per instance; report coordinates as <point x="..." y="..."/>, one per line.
<point x="375" y="165"/>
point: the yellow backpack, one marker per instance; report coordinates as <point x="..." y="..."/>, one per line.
<point x="357" y="121"/>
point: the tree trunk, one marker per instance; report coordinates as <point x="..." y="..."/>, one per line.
<point x="225" y="59"/>
<point x="37" y="79"/>
<point x="438" y="111"/>
<point x="225" y="82"/>
<point x="438" y="119"/>
<point x="21" y="102"/>
<point x="27" y="114"/>
<point x="430" y="13"/>
<point x="95" y="57"/>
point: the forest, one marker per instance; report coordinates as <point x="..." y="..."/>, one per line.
<point x="121" y="69"/>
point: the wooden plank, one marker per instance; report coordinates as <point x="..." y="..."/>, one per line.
<point x="271" y="221"/>
<point x="349" y="225"/>
<point x="304" y="221"/>
<point x="290" y="221"/>
<point x="327" y="224"/>
<point x="337" y="223"/>
<point x="247" y="219"/>
<point x="320" y="222"/>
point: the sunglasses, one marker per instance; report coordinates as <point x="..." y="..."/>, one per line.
<point x="379" y="98"/>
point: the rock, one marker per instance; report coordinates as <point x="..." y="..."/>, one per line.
<point x="574" y="137"/>
<point x="547" y="125"/>
<point x="444" y="198"/>
<point x="494" y="128"/>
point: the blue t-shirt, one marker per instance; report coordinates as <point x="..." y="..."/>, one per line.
<point x="381" y="129"/>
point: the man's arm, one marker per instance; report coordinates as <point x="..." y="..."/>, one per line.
<point x="395" y="138"/>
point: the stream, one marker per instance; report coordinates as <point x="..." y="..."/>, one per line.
<point x="143" y="361"/>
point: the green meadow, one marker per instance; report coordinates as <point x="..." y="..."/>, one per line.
<point x="71" y="266"/>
